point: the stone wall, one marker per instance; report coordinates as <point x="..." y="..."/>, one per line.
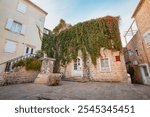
<point x="2" y="81"/>
<point x="142" y="18"/>
<point x="19" y="75"/>
<point x="118" y="72"/>
<point x="134" y="45"/>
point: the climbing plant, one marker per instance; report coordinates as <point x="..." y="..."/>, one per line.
<point x="89" y="37"/>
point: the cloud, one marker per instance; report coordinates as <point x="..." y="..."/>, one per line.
<point x="56" y="9"/>
<point x="73" y="11"/>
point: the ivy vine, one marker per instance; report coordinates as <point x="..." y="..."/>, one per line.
<point x="89" y="37"/>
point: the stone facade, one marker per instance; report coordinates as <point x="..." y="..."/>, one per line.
<point x="19" y="75"/>
<point x="138" y="49"/>
<point x="142" y="18"/>
<point x="117" y="72"/>
<point x="2" y="81"/>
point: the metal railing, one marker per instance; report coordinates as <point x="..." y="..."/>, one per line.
<point x="9" y="64"/>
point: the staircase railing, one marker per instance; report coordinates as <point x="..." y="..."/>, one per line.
<point x="9" y="64"/>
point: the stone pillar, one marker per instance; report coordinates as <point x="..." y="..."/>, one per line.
<point x="47" y="65"/>
<point x="46" y="76"/>
<point x="46" y="70"/>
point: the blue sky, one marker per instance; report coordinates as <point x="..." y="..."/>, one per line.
<point x="74" y="11"/>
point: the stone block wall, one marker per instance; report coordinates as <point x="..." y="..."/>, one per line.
<point x="142" y="18"/>
<point x="118" y="72"/>
<point x="2" y="81"/>
<point x="19" y="75"/>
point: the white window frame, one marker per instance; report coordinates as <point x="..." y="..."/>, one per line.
<point x="22" y="8"/>
<point x="6" y="50"/>
<point x="9" y="26"/>
<point x="109" y="63"/>
<point x="146" y="38"/>
<point x="16" y="28"/>
<point x="29" y="50"/>
<point x="77" y="64"/>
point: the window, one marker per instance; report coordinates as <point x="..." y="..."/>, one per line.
<point x="130" y="53"/>
<point x="77" y="65"/>
<point x="46" y="31"/>
<point x="29" y="50"/>
<point x="16" y="27"/>
<point x="147" y="37"/>
<point x="21" y="7"/>
<point x="10" y="46"/>
<point x="105" y="65"/>
<point x="137" y="52"/>
<point x="146" y="71"/>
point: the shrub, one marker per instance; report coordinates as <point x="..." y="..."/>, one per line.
<point x="33" y="64"/>
<point x="29" y="63"/>
<point x="39" y="54"/>
<point x="19" y="63"/>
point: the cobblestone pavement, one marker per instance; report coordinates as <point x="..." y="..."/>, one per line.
<point x="76" y="91"/>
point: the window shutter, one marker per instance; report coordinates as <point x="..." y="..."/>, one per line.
<point x="148" y="40"/>
<point x="23" y="30"/>
<point x="9" y="23"/>
<point x="22" y="8"/>
<point x="10" y="46"/>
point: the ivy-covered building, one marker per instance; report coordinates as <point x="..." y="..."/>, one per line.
<point x="91" y="50"/>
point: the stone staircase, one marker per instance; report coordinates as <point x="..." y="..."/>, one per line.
<point x="77" y="79"/>
<point x="9" y="64"/>
<point x="17" y="75"/>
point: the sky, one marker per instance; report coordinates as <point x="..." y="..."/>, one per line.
<point x="75" y="11"/>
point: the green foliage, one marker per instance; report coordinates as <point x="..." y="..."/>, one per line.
<point x="29" y="64"/>
<point x="39" y="54"/>
<point x="48" y="44"/>
<point x="33" y="64"/>
<point x="89" y="37"/>
<point x="19" y="63"/>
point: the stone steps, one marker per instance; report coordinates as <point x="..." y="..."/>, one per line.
<point x="76" y="79"/>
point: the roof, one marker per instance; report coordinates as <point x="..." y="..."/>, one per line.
<point x="138" y="7"/>
<point x="29" y="1"/>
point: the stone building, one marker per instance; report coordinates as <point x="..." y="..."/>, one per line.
<point x="110" y="67"/>
<point x="19" y="34"/>
<point x="138" y="49"/>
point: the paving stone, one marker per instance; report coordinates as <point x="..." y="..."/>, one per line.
<point x="76" y="91"/>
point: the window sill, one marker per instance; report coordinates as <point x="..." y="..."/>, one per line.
<point x="105" y="71"/>
<point x="14" y="32"/>
<point x="9" y="52"/>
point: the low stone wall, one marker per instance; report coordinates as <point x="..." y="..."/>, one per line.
<point x="2" y="81"/>
<point x="19" y="75"/>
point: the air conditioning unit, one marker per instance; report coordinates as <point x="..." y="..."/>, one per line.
<point x="135" y="62"/>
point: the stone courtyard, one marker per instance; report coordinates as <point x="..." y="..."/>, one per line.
<point x="68" y="90"/>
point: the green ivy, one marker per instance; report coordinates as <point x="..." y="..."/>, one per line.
<point x="89" y="37"/>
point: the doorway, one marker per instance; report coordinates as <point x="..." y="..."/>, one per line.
<point x="77" y="68"/>
<point x="145" y="74"/>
